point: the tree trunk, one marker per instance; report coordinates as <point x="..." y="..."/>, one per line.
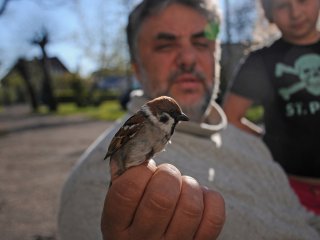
<point x="47" y="91"/>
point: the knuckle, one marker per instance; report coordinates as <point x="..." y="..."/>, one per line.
<point x="191" y="197"/>
<point x="215" y="222"/>
<point x="164" y="189"/>
<point x="217" y="214"/>
<point x="193" y="209"/>
<point x="126" y="192"/>
<point x="161" y="202"/>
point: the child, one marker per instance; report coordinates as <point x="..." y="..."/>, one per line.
<point x="285" y="79"/>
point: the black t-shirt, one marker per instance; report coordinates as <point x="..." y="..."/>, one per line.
<point x="285" y="79"/>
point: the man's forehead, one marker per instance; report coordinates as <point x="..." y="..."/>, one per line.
<point x="161" y="30"/>
<point x="175" y="19"/>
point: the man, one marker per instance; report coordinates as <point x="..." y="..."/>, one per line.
<point x="174" y="52"/>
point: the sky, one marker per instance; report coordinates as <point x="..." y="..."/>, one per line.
<point x="23" y="18"/>
<point x="70" y="23"/>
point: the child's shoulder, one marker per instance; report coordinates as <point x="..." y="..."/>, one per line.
<point x="268" y="47"/>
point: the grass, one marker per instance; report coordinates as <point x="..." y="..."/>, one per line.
<point x="108" y="110"/>
<point x="111" y="110"/>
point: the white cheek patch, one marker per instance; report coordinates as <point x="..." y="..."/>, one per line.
<point x="147" y="111"/>
<point x="166" y="127"/>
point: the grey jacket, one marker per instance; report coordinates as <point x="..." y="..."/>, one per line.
<point x="259" y="201"/>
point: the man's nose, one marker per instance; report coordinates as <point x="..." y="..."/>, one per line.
<point x="295" y="9"/>
<point x="186" y="58"/>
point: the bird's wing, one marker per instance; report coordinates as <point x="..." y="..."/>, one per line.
<point x="127" y="132"/>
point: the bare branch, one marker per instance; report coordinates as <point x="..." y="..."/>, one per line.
<point x="3" y="6"/>
<point x="43" y="4"/>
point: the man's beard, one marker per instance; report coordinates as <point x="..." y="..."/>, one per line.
<point x="196" y="110"/>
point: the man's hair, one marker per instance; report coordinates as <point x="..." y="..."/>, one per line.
<point x="267" y="8"/>
<point x="147" y="8"/>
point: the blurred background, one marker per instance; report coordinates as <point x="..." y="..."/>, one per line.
<point x="56" y="51"/>
<point x="64" y="78"/>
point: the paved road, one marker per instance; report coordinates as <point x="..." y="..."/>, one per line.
<point x="36" y="155"/>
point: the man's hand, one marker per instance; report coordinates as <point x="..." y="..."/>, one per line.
<point x="156" y="202"/>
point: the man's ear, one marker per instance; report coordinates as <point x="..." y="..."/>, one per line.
<point x="136" y="69"/>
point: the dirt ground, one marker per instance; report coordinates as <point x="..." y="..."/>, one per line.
<point x="36" y="156"/>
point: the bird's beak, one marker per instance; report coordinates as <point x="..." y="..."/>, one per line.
<point x="182" y="117"/>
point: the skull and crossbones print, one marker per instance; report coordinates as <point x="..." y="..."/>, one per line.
<point x="307" y="68"/>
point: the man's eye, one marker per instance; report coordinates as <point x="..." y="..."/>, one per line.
<point x="164" y="47"/>
<point x="302" y="1"/>
<point x="201" y="45"/>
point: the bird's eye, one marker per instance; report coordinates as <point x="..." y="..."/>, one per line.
<point x="164" y="118"/>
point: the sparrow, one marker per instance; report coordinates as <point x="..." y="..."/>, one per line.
<point x="145" y="133"/>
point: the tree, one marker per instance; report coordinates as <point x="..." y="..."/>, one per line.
<point x="101" y="40"/>
<point x="3" y="6"/>
<point x="42" y="3"/>
<point x="238" y="24"/>
<point x="98" y="38"/>
<point x="263" y="32"/>
<point x="42" y="39"/>
<point x="239" y="20"/>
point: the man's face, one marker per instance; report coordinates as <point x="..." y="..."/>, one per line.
<point x="175" y="58"/>
<point x="297" y="19"/>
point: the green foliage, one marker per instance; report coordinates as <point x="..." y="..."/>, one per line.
<point x="72" y="88"/>
<point x="108" y="110"/>
<point x="13" y="90"/>
<point x="115" y="71"/>
<point x="98" y="96"/>
<point x="68" y="88"/>
<point x="7" y="96"/>
<point x="64" y="95"/>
